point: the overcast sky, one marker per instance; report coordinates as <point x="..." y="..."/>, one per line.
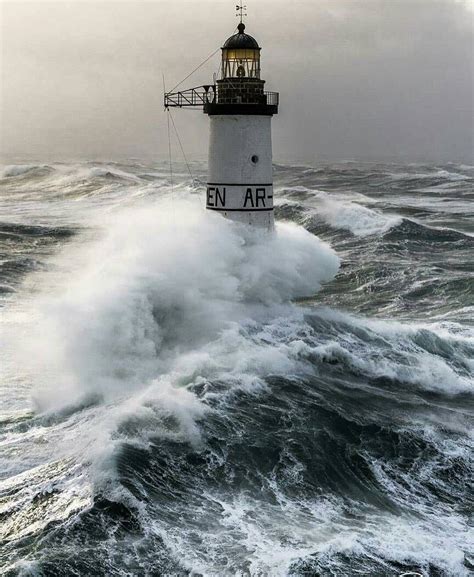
<point x="358" y="79"/>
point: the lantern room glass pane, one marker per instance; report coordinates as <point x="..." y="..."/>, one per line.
<point x="241" y="54"/>
<point x="240" y="63"/>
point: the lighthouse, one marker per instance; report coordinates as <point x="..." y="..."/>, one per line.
<point x="240" y="110"/>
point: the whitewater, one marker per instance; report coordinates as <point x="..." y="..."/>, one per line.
<point x="180" y="395"/>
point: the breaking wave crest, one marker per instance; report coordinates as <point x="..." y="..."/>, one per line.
<point x="156" y="286"/>
<point x="20" y="169"/>
<point x="358" y="219"/>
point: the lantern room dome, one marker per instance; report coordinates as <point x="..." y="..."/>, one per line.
<point x="241" y="40"/>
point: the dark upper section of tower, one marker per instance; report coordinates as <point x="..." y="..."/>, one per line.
<point x="241" y="40"/>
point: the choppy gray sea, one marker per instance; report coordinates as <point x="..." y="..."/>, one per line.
<point x="182" y="396"/>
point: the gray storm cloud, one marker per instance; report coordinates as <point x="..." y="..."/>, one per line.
<point x="365" y="79"/>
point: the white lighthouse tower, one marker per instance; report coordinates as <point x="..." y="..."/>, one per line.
<point x="240" y="178"/>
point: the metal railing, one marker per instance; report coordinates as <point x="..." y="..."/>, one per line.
<point x="195" y="97"/>
<point x="273" y="98"/>
<point x="202" y="95"/>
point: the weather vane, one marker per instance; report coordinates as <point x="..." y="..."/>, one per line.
<point x="241" y="11"/>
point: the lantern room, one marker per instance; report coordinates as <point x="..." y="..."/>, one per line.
<point x="241" y="56"/>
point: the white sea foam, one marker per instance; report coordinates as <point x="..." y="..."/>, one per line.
<point x="358" y="219"/>
<point x="448" y="175"/>
<point x="67" y="176"/>
<point x="155" y="287"/>
<point x="255" y="531"/>
<point x="402" y="358"/>
<point x="18" y="169"/>
<point x="342" y="210"/>
<point x="454" y="176"/>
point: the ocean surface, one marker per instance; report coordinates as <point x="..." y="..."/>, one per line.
<point x="182" y="396"/>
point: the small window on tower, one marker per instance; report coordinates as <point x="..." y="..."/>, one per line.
<point x="254" y="159"/>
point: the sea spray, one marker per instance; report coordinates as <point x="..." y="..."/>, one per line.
<point x="156" y="285"/>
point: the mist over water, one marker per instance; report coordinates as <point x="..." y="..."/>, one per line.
<point x="181" y="395"/>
